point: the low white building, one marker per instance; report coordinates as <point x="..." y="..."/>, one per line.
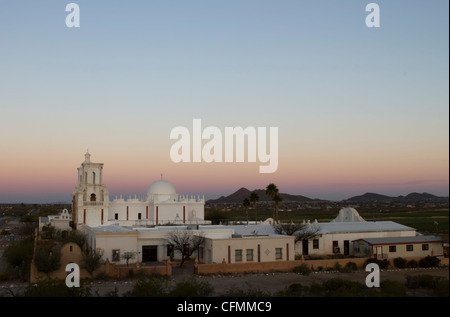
<point x="335" y="238"/>
<point x="394" y="247"/>
<point x="60" y="221"/>
<point x="221" y="243"/>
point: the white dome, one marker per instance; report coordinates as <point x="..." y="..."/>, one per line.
<point x="161" y="190"/>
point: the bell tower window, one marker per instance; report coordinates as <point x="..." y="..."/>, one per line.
<point x="93" y="177"/>
<point x="93" y="197"/>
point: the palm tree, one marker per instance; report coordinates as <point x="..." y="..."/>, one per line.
<point x="254" y="197"/>
<point x="272" y="190"/>
<point x="246" y="204"/>
<point x="277" y="199"/>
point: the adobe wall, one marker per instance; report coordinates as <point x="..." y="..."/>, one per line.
<point x="286" y="266"/>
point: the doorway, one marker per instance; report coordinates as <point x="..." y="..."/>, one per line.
<point x="305" y="247"/>
<point x="346" y="247"/>
<point x="149" y="253"/>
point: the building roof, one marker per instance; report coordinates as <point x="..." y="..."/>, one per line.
<point x="402" y="240"/>
<point x="366" y="226"/>
<point x="267" y="229"/>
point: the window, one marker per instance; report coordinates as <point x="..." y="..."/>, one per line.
<point x="315" y="243"/>
<point x="93" y="198"/>
<point x="278" y="253"/>
<point x="336" y="247"/>
<point x="392" y="248"/>
<point x="139" y="216"/>
<point x="116" y="216"/>
<point x="249" y="254"/>
<point x="425" y="247"/>
<point x="116" y="255"/>
<point x="238" y="255"/>
<point x="93" y="177"/>
<point x="409" y="247"/>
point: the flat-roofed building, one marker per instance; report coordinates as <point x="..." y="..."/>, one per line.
<point x="394" y="247"/>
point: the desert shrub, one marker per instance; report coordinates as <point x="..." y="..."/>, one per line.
<point x="429" y="261"/>
<point x="349" y="267"/>
<point x="400" y="263"/>
<point x="340" y="287"/>
<point x="191" y="287"/>
<point x="294" y="289"/>
<point x="55" y="288"/>
<point x="426" y="281"/>
<point x="153" y="286"/>
<point x="412" y="264"/>
<point x="316" y="289"/>
<point x="441" y="289"/>
<point x="302" y="269"/>
<point x="249" y="292"/>
<point x="383" y="264"/>
<point x="389" y="288"/>
<point x="337" y="266"/>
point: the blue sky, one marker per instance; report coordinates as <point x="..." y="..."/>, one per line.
<point x="339" y="91"/>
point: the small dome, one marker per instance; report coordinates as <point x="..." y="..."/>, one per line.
<point x="161" y="189"/>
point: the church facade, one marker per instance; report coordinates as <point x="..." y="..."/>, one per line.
<point x="91" y="204"/>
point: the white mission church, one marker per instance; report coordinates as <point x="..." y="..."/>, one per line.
<point x="91" y="204"/>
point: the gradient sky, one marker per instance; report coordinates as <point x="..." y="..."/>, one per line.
<point x="358" y="109"/>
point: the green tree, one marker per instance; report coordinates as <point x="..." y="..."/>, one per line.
<point x="254" y="197"/>
<point x="19" y="255"/>
<point x="271" y="191"/>
<point x="277" y="199"/>
<point x="128" y="256"/>
<point x="246" y="204"/>
<point x="47" y="261"/>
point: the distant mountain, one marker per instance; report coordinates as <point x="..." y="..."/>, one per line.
<point x="242" y="193"/>
<point x="370" y="197"/>
<point x="409" y="197"/>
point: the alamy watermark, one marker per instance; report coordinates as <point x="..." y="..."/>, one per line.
<point x="224" y="147"/>
<point x="73" y="18"/>
<point x="73" y="275"/>
<point x="373" y="278"/>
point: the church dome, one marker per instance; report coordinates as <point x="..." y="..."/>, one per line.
<point x="161" y="190"/>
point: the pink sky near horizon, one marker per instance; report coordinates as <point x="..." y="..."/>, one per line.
<point x="45" y="176"/>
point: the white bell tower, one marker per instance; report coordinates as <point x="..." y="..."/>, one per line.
<point x="90" y="199"/>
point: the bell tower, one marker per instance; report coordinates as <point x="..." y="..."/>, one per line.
<point x="90" y="199"/>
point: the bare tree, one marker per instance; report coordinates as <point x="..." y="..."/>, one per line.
<point x="186" y="242"/>
<point x="301" y="231"/>
<point x="92" y="260"/>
